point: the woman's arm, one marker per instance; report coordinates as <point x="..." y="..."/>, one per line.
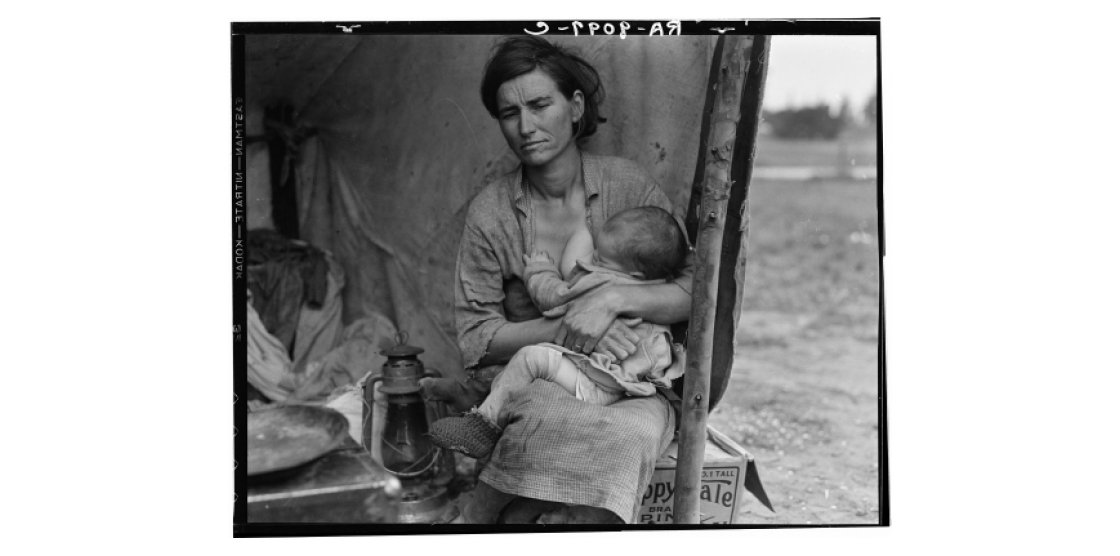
<point x="479" y="295"/>
<point x="667" y="303"/>
<point x="590" y="315"/>
<point x="513" y="336"/>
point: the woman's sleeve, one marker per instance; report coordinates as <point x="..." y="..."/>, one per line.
<point x="478" y="295"/>
<point x="657" y="198"/>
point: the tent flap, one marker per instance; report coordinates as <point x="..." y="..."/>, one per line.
<point x="402" y="143"/>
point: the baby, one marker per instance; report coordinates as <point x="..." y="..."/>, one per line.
<point x="636" y="246"/>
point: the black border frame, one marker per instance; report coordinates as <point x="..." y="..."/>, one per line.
<point x="242" y="528"/>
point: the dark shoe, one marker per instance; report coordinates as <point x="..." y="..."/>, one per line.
<point x="470" y="434"/>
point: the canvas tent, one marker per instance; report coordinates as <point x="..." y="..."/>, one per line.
<point x="388" y="141"/>
<point x="376" y="144"/>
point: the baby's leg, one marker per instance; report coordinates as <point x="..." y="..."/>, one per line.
<point x="591" y="393"/>
<point x="527" y="365"/>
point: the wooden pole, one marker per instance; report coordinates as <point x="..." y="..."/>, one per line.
<point x="738" y="81"/>
<point x="733" y="254"/>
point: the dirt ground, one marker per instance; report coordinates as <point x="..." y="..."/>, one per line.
<point x="803" y="394"/>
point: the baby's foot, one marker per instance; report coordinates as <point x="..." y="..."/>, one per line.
<point x="470" y="434"/>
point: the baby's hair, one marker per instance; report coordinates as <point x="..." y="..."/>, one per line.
<point x="648" y="240"/>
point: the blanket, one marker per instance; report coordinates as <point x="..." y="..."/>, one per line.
<point x="559" y="449"/>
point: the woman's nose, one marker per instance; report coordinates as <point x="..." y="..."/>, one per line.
<point x="526" y="126"/>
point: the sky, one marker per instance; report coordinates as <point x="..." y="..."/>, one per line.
<point x="808" y="69"/>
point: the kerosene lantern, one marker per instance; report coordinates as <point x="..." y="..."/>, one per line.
<point x="406" y="450"/>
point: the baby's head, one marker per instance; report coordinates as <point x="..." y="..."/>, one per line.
<point x="645" y="242"/>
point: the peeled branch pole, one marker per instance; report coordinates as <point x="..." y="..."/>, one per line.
<point x="731" y="112"/>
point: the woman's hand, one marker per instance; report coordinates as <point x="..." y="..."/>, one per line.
<point x="587" y="319"/>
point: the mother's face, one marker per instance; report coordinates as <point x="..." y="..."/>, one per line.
<point x="536" y="118"/>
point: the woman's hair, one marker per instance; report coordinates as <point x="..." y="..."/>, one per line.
<point x="516" y="56"/>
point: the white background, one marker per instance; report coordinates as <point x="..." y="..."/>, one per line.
<point x="1000" y="135"/>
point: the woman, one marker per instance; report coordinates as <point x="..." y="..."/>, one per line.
<point x="545" y="99"/>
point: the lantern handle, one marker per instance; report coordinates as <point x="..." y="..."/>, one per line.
<point x="435" y="452"/>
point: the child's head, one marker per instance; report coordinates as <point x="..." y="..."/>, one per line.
<point x="643" y="241"/>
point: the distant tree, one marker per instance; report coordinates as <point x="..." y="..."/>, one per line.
<point x="845" y="116"/>
<point x="809" y="122"/>
<point x="871" y="110"/>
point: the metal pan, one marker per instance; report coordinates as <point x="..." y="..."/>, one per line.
<point x="289" y="436"/>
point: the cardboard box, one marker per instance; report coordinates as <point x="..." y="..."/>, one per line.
<point x="721" y="484"/>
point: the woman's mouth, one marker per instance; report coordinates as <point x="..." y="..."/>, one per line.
<point x="531" y="146"/>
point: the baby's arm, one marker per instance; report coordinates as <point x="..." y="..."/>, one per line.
<point x="547" y="289"/>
